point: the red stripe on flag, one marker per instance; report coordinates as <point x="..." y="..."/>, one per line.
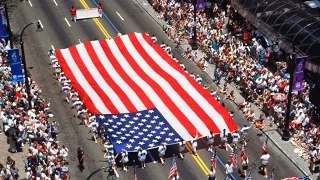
<point x="82" y="93"/>
<point x="140" y="93"/>
<point x="105" y="75"/>
<point x="157" y="88"/>
<point x="95" y="85"/>
<point x="175" y="85"/>
<point x="215" y="104"/>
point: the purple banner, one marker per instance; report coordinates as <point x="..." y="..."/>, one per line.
<point x="200" y="5"/>
<point x="298" y="74"/>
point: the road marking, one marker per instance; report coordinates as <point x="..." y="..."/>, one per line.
<point x="120" y="16"/>
<point x="67" y="22"/>
<point x="103" y="30"/>
<point x="40" y="23"/>
<point x="115" y="171"/>
<point x="30" y="2"/>
<point x="52" y="47"/>
<point x="79" y="41"/>
<point x="55" y="2"/>
<point x="152" y="158"/>
<point x="198" y="159"/>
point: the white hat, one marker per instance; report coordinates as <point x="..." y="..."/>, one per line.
<point x="50" y="139"/>
<point x="65" y="84"/>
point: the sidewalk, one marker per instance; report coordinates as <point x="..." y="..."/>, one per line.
<point x="273" y="133"/>
<point x="17" y="157"/>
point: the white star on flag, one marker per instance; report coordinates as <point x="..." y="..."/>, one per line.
<point x="119" y="123"/>
<point x="110" y="120"/>
<point x="149" y="135"/>
<point x="153" y="121"/>
<point x="119" y="142"/>
<point x="132" y="131"/>
<point x="147" y="115"/>
<point x="110" y="130"/>
<point x="136" y="137"/>
<point x="156" y="117"/>
<point x="113" y="135"/>
<point x="123" y="129"/>
<point x="127" y="135"/>
<point x="158" y="137"/>
<point x="148" y="126"/>
<point x="153" y="132"/>
<point x="140" y="133"/>
<point x="162" y="132"/>
<point x="115" y="126"/>
<point x="151" y="145"/>
<point x="123" y="138"/>
<point x="140" y="124"/>
<point x="141" y="143"/>
<point x="138" y="114"/>
<point x="114" y="116"/>
<point x="131" y="122"/>
<point x="118" y="132"/>
<point x="126" y="115"/>
<point x="171" y="134"/>
<point x="150" y="111"/>
<point x="158" y="127"/>
<point x="143" y="120"/>
<point x="145" y="139"/>
<point x="176" y="139"/>
<point x="168" y="139"/>
<point x="127" y="126"/>
<point x="135" y="118"/>
<point x="131" y="140"/>
<point x="123" y="120"/>
<point x="144" y="130"/>
<point x="136" y="128"/>
<point x="166" y="129"/>
<point x="101" y="117"/>
<point x="161" y="123"/>
<point x="129" y="146"/>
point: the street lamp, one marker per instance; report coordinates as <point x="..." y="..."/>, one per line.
<point x="26" y="79"/>
<point x="194" y="45"/>
<point x="292" y="61"/>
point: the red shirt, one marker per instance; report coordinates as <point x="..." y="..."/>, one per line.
<point x="99" y="6"/>
<point x="73" y="11"/>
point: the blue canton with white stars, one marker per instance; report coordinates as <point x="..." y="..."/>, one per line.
<point x="130" y="131"/>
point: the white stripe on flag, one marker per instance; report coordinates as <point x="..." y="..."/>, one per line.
<point x="156" y="100"/>
<point x="97" y="101"/>
<point x="201" y="101"/>
<point x="176" y="98"/>
<point x="114" y="98"/>
<point x="116" y="77"/>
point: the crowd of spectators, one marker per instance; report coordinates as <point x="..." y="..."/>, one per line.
<point x="234" y="46"/>
<point x="28" y="126"/>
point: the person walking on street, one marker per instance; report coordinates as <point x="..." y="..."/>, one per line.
<point x="194" y="144"/>
<point x="212" y="175"/>
<point x="229" y="170"/>
<point x="100" y="10"/>
<point x="245" y="164"/>
<point x="224" y="140"/>
<point x="94" y="130"/>
<point x="73" y="12"/>
<point x="111" y="160"/>
<point x="124" y="159"/>
<point x="80" y="156"/>
<point x="162" y="151"/>
<point x="235" y="138"/>
<point x="210" y="141"/>
<point x="142" y="155"/>
<point x="264" y="163"/>
<point x="182" y="147"/>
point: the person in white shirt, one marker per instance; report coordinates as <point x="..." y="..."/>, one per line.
<point x="124" y="159"/>
<point x="210" y="141"/>
<point x="64" y="152"/>
<point x="77" y="104"/>
<point x="94" y="130"/>
<point x="142" y="155"/>
<point x="235" y="138"/>
<point x="264" y="163"/>
<point x="194" y="144"/>
<point x="109" y="147"/>
<point x="154" y="38"/>
<point x="229" y="170"/>
<point x="224" y="140"/>
<point x="182" y="147"/>
<point x="162" y="151"/>
<point x="199" y="79"/>
<point x="111" y="160"/>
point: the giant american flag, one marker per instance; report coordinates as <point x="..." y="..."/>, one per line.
<point x="130" y="74"/>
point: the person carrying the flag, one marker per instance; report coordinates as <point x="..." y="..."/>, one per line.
<point x="235" y="138"/>
<point x="162" y="151"/>
<point x="108" y="147"/>
<point x="93" y="129"/>
<point x="194" y="144"/>
<point x="245" y="164"/>
<point x="182" y="147"/>
<point x="142" y="155"/>
<point x="210" y="141"/>
<point x="124" y="159"/>
<point x="224" y="140"/>
<point x="111" y="160"/>
<point x="264" y="163"/>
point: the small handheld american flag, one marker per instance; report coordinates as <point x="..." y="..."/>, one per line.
<point x="272" y="174"/>
<point x="265" y="146"/>
<point x="243" y="154"/>
<point x="233" y="158"/>
<point x="134" y="171"/>
<point x="173" y="169"/>
<point x="214" y="160"/>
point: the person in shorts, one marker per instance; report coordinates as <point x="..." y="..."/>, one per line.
<point x="264" y="163"/>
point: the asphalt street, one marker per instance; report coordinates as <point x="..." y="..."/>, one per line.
<point x="122" y="16"/>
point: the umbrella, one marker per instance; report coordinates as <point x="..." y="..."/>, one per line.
<point x="11" y="131"/>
